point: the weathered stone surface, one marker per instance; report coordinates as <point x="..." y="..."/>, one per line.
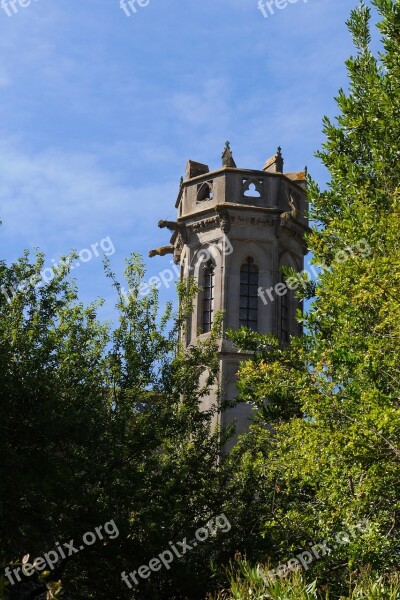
<point x="275" y="163"/>
<point x="193" y="169"/>
<point x="260" y="214"/>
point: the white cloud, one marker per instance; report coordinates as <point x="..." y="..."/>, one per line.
<point x="205" y="106"/>
<point x="58" y="201"/>
<point x="4" y="77"/>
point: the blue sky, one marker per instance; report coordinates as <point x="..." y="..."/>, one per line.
<point x="100" y="112"/>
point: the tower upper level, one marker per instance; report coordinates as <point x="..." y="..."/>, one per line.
<point x="268" y="189"/>
<point x="240" y="202"/>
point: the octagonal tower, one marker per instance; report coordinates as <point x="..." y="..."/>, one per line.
<point x="235" y="229"/>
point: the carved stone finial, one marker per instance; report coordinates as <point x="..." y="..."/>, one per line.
<point x="275" y="163"/>
<point x="306" y="171"/>
<point x="181" y="181"/>
<point x="227" y="158"/>
<point x="279" y="160"/>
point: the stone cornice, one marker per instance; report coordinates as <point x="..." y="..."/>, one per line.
<point x="234" y="208"/>
<point x="204" y="224"/>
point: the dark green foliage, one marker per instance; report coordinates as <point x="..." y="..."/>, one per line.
<point x="98" y="426"/>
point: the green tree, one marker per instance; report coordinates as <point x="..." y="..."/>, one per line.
<point x="99" y="425"/>
<point x="332" y="397"/>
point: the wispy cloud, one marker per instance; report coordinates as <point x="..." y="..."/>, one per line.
<point x="59" y="200"/>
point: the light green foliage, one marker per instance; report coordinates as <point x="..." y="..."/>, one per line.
<point x="251" y="583"/>
<point x="333" y="396"/>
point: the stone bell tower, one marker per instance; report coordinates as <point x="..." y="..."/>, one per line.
<point x="235" y="229"/>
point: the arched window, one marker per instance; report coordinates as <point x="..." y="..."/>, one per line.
<point x="204" y="191"/>
<point x="248" y="294"/>
<point x="208" y="298"/>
